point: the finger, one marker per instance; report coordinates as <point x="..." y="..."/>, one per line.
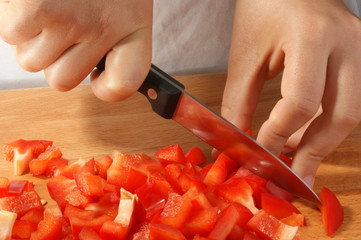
<point x="341" y="114"/>
<point x="18" y="21"/>
<point x="126" y="67"/>
<point x="294" y="140"/>
<point x="41" y="51"/>
<point x="74" y="65"/>
<point x="243" y="86"/>
<point x="302" y="89"/>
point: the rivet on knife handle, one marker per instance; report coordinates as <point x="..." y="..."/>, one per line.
<point x="161" y="90"/>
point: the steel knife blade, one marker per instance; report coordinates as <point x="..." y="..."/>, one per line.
<point x="169" y="99"/>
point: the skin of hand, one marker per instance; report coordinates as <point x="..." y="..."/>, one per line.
<point x="317" y="45"/>
<point x="67" y="39"/>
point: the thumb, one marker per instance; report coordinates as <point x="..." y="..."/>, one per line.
<point x="126" y="66"/>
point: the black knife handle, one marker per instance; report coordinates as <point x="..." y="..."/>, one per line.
<point x="161" y="90"/>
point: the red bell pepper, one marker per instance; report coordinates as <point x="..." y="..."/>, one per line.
<point x="220" y="170"/>
<point x="171" y="154"/>
<point x="270" y="228"/>
<point x="39" y="165"/>
<point x="20" y="204"/>
<point x="176" y="210"/>
<point x="227" y="219"/>
<point x="195" y="156"/>
<point x="165" y="232"/>
<point x="331" y="210"/>
<point x="102" y="166"/>
<point x="50" y="227"/>
<point x="21" y="152"/>
<point x="90" y="184"/>
<point x="87" y="233"/>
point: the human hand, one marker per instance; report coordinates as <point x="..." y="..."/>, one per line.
<point x="317" y="45"/>
<point x="67" y="39"/>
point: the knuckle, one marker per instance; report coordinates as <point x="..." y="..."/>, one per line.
<point x="320" y="29"/>
<point x="277" y="136"/>
<point x="305" y="107"/>
<point x="10" y="34"/>
<point x="315" y="156"/>
<point x="354" y="30"/>
<point x="349" y="119"/>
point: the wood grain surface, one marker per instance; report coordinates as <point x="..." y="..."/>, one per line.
<point x="85" y="127"/>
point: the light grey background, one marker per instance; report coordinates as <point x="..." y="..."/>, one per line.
<point x="179" y="47"/>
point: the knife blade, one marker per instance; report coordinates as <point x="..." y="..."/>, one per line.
<point x="169" y="99"/>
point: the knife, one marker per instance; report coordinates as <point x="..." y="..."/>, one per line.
<point x="169" y="99"/>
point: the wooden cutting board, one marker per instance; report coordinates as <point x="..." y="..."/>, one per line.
<point x="85" y="127"/>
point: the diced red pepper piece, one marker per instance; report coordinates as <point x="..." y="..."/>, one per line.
<point x="59" y="187"/>
<point x="102" y="166"/>
<point x="17" y="187"/>
<point x="20" y="204"/>
<point x="134" y="180"/>
<point x="241" y="173"/>
<point x="171" y="173"/>
<point x="277" y="207"/>
<point x="56" y="166"/>
<point x="256" y="182"/>
<point x="165" y="232"/>
<point x="124" y="173"/>
<point x="88" y="234"/>
<point x="188" y="168"/>
<point x="236" y="233"/>
<point x="204" y="171"/>
<point x="176" y="210"/>
<point x="151" y="198"/>
<point x="90" y="184"/>
<point x="201" y="222"/>
<point x="49" y="228"/>
<point x="111" y="230"/>
<point x="142" y="232"/>
<point x="227" y="219"/>
<point x="295" y="219"/>
<point x="78" y="166"/>
<point x="161" y="184"/>
<point x="21" y="152"/>
<point x="216" y="201"/>
<point x="187" y="181"/>
<point x="141" y="162"/>
<point x="198" y="199"/>
<point x="239" y="191"/>
<point x="4" y="186"/>
<point x="76" y="198"/>
<point x="279" y="192"/>
<point x="171" y="154"/>
<point x="39" y="165"/>
<point x="113" y="191"/>
<point x="34" y="215"/>
<point x="270" y="228"/>
<point x="250" y="236"/>
<point x="220" y="170"/>
<point x="196" y="156"/>
<point x="244" y="213"/>
<point x="198" y="237"/>
<point x="80" y="218"/>
<point x="331" y="210"/>
<point x="23" y="229"/>
<point x="104" y="206"/>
